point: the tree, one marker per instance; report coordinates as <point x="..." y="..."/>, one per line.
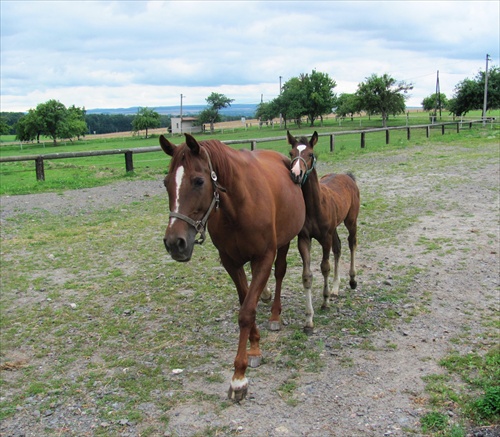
<point x="215" y="102"/>
<point x="145" y="119"/>
<point x="4" y="127"/>
<point x="347" y="105"/>
<point x="383" y="95"/>
<point x="308" y="96"/>
<point x="30" y="127"/>
<point x="469" y="93"/>
<point x="435" y="102"/>
<point x="320" y="97"/>
<point x="74" y="125"/>
<point x="53" y="115"/>
<point x="267" y="111"/>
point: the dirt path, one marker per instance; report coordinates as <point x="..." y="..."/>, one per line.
<point x="376" y="391"/>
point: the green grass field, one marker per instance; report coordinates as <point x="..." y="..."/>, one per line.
<point x="76" y="173"/>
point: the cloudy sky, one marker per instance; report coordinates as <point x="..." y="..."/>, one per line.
<point x="118" y="54"/>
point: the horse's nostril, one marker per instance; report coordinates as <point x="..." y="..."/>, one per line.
<point x="181" y="244"/>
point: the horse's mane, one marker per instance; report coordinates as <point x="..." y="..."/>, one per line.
<point x="218" y="153"/>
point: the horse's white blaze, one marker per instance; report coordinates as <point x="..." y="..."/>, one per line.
<point x="179" y="176"/>
<point x="296" y="166"/>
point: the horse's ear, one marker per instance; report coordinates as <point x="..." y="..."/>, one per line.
<point x="192" y="144"/>
<point x="291" y="139"/>
<point x="314" y="139"/>
<point x="167" y="146"/>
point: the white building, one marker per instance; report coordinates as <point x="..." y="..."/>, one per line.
<point x="184" y="125"/>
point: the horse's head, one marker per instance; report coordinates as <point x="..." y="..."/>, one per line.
<point x="302" y="155"/>
<point x="191" y="185"/>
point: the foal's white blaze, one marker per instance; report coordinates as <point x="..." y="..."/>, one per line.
<point x="179" y="176"/>
<point x="296" y="166"/>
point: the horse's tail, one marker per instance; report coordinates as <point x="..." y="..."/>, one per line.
<point x="351" y="175"/>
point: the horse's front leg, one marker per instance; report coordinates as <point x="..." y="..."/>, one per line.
<point x="249" y="297"/>
<point x="279" y="273"/>
<point x="304" y="244"/>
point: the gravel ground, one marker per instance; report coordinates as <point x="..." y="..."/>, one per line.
<point x="382" y="392"/>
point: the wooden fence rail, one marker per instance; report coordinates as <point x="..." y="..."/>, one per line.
<point x="129" y="153"/>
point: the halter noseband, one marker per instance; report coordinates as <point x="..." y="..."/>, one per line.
<point x="200" y="225"/>
<point x="308" y="171"/>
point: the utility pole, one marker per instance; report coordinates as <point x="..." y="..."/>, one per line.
<point x="485" y="101"/>
<point x="181" y="112"/>
<point x="438" y="97"/>
<point x="281" y="118"/>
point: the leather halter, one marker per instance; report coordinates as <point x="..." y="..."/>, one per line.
<point x="308" y="171"/>
<point x="200" y="225"/>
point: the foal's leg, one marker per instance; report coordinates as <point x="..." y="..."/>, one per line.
<point x="325" y="270"/>
<point x="304" y="244"/>
<point x="279" y="273"/>
<point x="336" y="245"/>
<point x="352" y="239"/>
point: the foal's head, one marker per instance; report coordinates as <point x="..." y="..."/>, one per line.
<point x="190" y="189"/>
<point x="302" y="155"/>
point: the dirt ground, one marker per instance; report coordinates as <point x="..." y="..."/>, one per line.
<point x="382" y="392"/>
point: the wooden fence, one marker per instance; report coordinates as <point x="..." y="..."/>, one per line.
<point x="129" y="153"/>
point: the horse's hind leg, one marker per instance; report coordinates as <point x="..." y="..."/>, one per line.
<point x="279" y="273"/>
<point x="304" y="245"/>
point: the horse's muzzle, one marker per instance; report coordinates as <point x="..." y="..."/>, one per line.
<point x="178" y="248"/>
<point x="297" y="178"/>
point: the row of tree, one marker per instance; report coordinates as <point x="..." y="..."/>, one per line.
<point x="309" y="96"/>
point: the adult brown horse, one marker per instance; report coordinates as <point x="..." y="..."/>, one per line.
<point x="331" y="200"/>
<point x="252" y="208"/>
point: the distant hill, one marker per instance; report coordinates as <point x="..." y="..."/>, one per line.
<point x="244" y="110"/>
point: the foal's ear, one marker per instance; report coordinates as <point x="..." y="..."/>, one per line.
<point x="167" y="146"/>
<point x="314" y="139"/>
<point x="192" y="144"/>
<point x="291" y="139"/>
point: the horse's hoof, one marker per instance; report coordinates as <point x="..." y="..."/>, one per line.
<point x="325" y="307"/>
<point x="353" y="284"/>
<point x="308" y="330"/>
<point x="266" y="295"/>
<point x="274" y="325"/>
<point x="237" y="395"/>
<point x="254" y="361"/>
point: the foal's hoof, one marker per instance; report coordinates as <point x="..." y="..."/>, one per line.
<point x="237" y="395"/>
<point x="254" y="361"/>
<point x="308" y="330"/>
<point x="274" y="325"/>
<point x="353" y="284"/>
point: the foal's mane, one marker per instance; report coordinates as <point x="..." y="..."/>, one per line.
<point x="303" y="140"/>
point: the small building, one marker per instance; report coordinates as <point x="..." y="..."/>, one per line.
<point x="184" y="125"/>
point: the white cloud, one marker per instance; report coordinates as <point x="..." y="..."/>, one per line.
<point x="138" y="53"/>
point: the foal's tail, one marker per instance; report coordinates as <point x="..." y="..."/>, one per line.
<point x="351" y="175"/>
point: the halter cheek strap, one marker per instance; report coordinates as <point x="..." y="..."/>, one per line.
<point x="200" y="225"/>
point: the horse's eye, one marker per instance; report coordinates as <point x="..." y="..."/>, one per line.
<point x="198" y="182"/>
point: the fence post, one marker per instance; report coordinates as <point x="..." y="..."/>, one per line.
<point x="442" y="129"/>
<point x="408" y="134"/>
<point x="458" y="128"/>
<point x="253" y="145"/>
<point x="362" y="140"/>
<point x="332" y="143"/>
<point x="129" y="161"/>
<point x="427" y="131"/>
<point x="40" y="173"/>
<point x="387" y="136"/>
